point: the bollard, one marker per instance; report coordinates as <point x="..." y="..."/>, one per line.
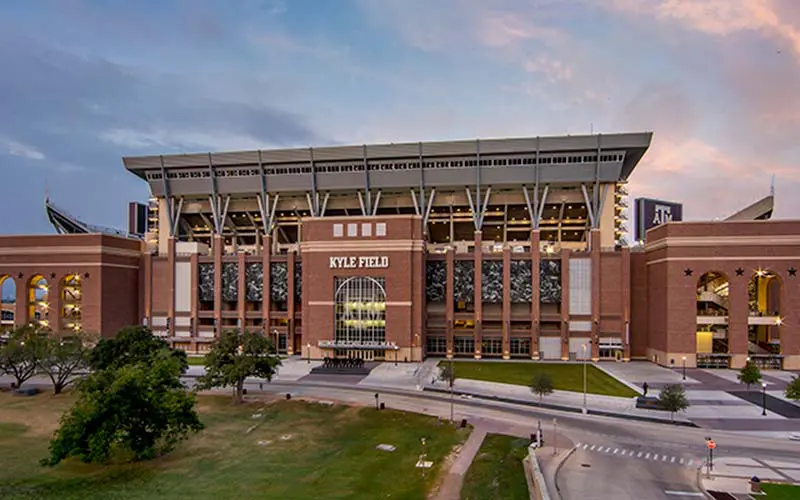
<point x="383" y="406"/>
<point x="288" y="396"/>
<point x="463" y="423"/>
<point x="755" y="485"/>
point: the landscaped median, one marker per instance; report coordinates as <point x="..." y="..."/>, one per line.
<point x="497" y="471"/>
<point x="565" y="376"/>
<point x="279" y="449"/>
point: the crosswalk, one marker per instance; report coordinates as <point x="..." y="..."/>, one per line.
<point x="640" y="455"/>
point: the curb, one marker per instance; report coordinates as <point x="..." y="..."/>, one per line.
<point x="621" y="381"/>
<point x="700" y="486"/>
<point x="558" y="469"/>
<point x="569" y="409"/>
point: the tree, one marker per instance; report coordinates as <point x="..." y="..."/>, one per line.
<point x="132" y="344"/>
<point x="793" y="389"/>
<point x="750" y="374"/>
<point x="60" y="358"/>
<point x="140" y="408"/>
<point x="18" y="354"/>
<point x="447" y="373"/>
<point x="236" y="356"/>
<point x="541" y="385"/>
<point x="673" y="399"/>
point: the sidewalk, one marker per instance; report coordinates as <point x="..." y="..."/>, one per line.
<point x="732" y="474"/>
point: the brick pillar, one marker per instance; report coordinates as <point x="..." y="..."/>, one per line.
<point x="195" y="298"/>
<point x="594" y="255"/>
<point x="737" y="321"/>
<point x="536" y="258"/>
<point x="54" y="312"/>
<point x="789" y="331"/>
<point x="506" y="301"/>
<point x="449" y="301"/>
<point x="626" y="303"/>
<point x="21" y="308"/>
<point x="171" y="284"/>
<point x="218" y="247"/>
<point x="478" y="280"/>
<point x="241" y="292"/>
<point x="148" y="289"/>
<point x="266" y="295"/>
<point x="564" y="304"/>
<point x="290" y="299"/>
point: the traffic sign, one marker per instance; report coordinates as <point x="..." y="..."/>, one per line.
<point x="711" y="444"/>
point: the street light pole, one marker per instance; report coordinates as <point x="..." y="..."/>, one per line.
<point x="452" y="380"/>
<point x="684" y="368"/>
<point x="585" y="410"/>
<point x="764" y="399"/>
<point x="308" y="353"/>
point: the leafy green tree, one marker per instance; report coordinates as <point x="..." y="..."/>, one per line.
<point x="750" y="374"/>
<point x="673" y="399"/>
<point x="447" y="373"/>
<point x="18" y="354"/>
<point x="541" y="385"/>
<point x="60" y="358"/>
<point x="793" y="389"/>
<point x="236" y="356"/>
<point x="132" y="344"/>
<point x="139" y="408"/>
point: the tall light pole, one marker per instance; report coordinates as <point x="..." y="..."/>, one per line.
<point x="585" y="410"/>
<point x="684" y="368"/>
<point x="308" y="353"/>
<point x="452" y="379"/>
<point x="764" y="399"/>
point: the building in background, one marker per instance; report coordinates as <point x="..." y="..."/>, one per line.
<point x="501" y="248"/>
<point x="649" y="213"/>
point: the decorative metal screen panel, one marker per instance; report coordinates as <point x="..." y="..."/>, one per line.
<point x="230" y="281"/>
<point x="205" y="282"/>
<point x="464" y="281"/>
<point x="436" y="281"/>
<point x="521" y="281"/>
<point x="298" y="281"/>
<point x="254" y="281"/>
<point x="550" y="281"/>
<point x="279" y="281"/>
<point x="492" y="281"/>
<point x="360" y="309"/>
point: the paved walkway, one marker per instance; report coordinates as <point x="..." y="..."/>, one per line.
<point x="732" y="474"/>
<point x="451" y="486"/>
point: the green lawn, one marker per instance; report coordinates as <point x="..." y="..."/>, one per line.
<point x="781" y="491"/>
<point x="566" y="376"/>
<point x="497" y="470"/>
<point x="298" y="450"/>
<point x="197" y="360"/>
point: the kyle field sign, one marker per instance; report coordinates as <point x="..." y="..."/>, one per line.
<point x="367" y="262"/>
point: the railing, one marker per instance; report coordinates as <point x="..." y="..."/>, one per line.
<point x="713" y="360"/>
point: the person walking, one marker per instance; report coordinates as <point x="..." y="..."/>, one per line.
<point x="644" y="388"/>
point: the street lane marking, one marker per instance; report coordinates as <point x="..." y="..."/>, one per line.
<point x="664" y="459"/>
<point x="616" y="450"/>
<point x="639" y="455"/>
<point x="672" y="461"/>
<point x="690" y="463"/>
<point x="681" y="461"/>
<point x="685" y="493"/>
<point x="592" y="448"/>
<point x="647" y="457"/>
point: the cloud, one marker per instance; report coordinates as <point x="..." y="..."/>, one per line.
<point x="555" y="71"/>
<point x="15" y="148"/>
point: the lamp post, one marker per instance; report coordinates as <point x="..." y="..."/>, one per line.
<point x="684" y="368"/>
<point x="452" y="379"/>
<point x="764" y="399"/>
<point x="308" y="353"/>
<point x="585" y="410"/>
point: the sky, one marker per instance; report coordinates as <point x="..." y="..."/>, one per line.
<point x="85" y="82"/>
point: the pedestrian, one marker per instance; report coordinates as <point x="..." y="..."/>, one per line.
<point x="261" y="386"/>
<point x="644" y="388"/>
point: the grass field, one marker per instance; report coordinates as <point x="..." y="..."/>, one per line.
<point x="497" y="470"/>
<point x="197" y="360"/>
<point x="781" y="491"/>
<point x="298" y="450"/>
<point x="566" y="377"/>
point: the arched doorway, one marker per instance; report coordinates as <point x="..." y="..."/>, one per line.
<point x="360" y="322"/>
<point x="8" y="302"/>
<point x="764" y="318"/>
<point x="713" y="304"/>
<point x="39" y="301"/>
<point x="71" y="299"/>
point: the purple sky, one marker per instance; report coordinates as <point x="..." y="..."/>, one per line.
<point x="87" y="82"/>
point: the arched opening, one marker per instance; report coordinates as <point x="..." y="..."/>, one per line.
<point x="71" y="299"/>
<point x="39" y="301"/>
<point x="764" y="318"/>
<point x="360" y="305"/>
<point x="713" y="304"/>
<point x="8" y="302"/>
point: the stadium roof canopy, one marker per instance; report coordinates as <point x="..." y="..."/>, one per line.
<point x="494" y="162"/>
<point x="64" y="223"/>
<point x="760" y="210"/>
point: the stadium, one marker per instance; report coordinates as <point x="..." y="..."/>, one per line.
<point x="495" y="248"/>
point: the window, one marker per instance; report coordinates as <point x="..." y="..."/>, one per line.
<point x="366" y="229"/>
<point x="464" y="345"/>
<point x="352" y="230"/>
<point x="360" y="310"/>
<point x="380" y="229"/>
<point x="520" y="347"/>
<point x="338" y="230"/>
<point x="436" y="345"/>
